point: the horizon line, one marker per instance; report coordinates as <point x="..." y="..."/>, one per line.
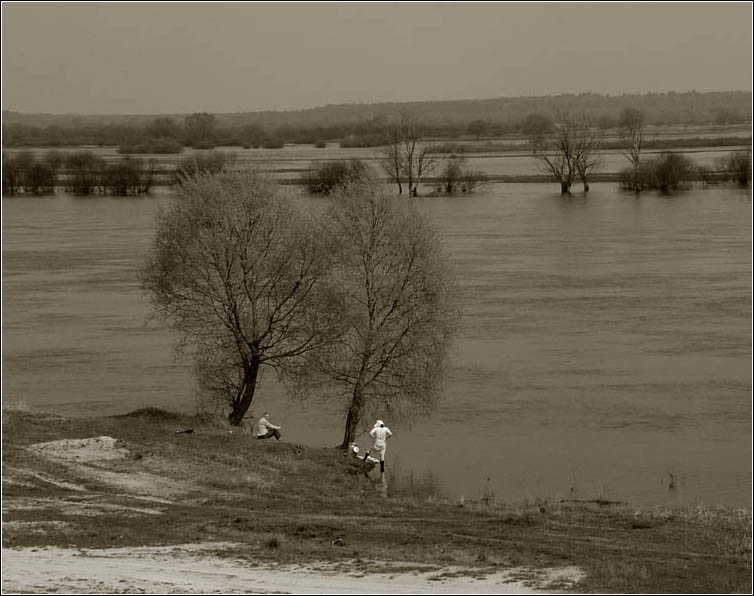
<point x="377" y="103"/>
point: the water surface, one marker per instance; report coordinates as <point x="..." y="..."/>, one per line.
<point x="605" y="344"/>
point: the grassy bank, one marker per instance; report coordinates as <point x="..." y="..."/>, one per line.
<point x="288" y="503"/>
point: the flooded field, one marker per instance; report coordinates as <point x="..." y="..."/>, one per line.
<point x="605" y="348"/>
<point x="289" y="162"/>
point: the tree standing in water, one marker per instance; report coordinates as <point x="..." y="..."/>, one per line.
<point x="571" y="149"/>
<point x="632" y="137"/>
<point x="404" y="156"/>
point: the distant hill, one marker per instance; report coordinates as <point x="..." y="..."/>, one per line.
<point x="660" y="108"/>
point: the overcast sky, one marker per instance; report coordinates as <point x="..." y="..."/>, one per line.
<point x="179" y="57"/>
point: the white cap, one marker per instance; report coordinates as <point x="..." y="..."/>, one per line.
<point x="379" y="423"/>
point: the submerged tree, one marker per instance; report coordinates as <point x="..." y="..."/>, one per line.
<point x="631" y="127"/>
<point x="129" y="176"/>
<point x="570" y="150"/>
<point x="737" y="167"/>
<point x="393" y="300"/>
<point x="404" y="156"/>
<point x="238" y="272"/>
<point x="84" y="172"/>
<point x="14" y="170"/>
<point x="668" y="172"/>
<point x="31" y="173"/>
<point x="456" y="177"/>
<point x="588" y="143"/>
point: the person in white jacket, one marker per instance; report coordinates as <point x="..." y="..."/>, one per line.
<point x="380" y="433"/>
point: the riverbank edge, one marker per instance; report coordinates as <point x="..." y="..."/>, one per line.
<point x="156" y="484"/>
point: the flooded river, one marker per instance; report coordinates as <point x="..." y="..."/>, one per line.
<point x="605" y="348"/>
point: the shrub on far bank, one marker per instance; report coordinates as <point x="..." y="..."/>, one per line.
<point x="80" y="173"/>
<point x="212" y="162"/>
<point x="671" y="172"/>
<point x="737" y="167"/>
<point x="364" y="140"/>
<point x="161" y="146"/>
<point x="455" y="177"/>
<point x="273" y="143"/>
<point x="668" y="172"/>
<point x="33" y="174"/>
<point x="128" y="176"/>
<point x="325" y="177"/>
<point x="84" y="172"/>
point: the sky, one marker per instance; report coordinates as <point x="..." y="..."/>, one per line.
<point x="152" y="58"/>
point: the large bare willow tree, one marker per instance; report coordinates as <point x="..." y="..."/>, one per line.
<point x="238" y="272"/>
<point x="395" y="306"/>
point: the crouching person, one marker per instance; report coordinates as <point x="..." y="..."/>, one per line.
<point x="266" y="429"/>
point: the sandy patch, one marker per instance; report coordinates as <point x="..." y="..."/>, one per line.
<point x="87" y="451"/>
<point x="89" y="458"/>
<point x="193" y="569"/>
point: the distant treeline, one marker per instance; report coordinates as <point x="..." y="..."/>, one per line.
<point x="650" y="144"/>
<point x="361" y="125"/>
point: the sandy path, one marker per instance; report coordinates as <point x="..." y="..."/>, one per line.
<point x="190" y="569"/>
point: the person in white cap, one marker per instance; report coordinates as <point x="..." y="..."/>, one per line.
<point x="380" y="433"/>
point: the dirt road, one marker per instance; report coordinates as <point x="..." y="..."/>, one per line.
<point x="191" y="568"/>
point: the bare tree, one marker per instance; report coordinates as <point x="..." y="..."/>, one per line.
<point x="390" y="156"/>
<point x="631" y="127"/>
<point x="556" y="153"/>
<point x="570" y="150"/>
<point x="395" y="307"/>
<point x="404" y="156"/>
<point x="588" y="143"/>
<point x="237" y="271"/>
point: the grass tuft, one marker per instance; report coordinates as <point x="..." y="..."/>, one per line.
<point x="153" y="413"/>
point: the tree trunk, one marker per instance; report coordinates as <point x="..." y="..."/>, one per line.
<point x="250" y="383"/>
<point x="354" y="416"/>
<point x="637" y="178"/>
<point x="565" y="187"/>
<point x="586" y="184"/>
